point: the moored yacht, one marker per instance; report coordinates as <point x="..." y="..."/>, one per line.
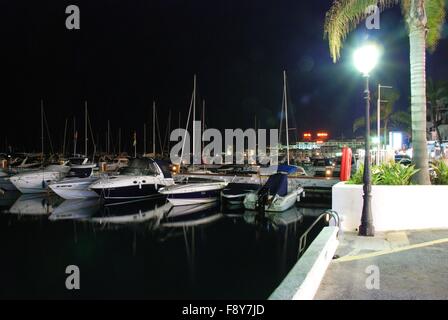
<point x="274" y="195"/>
<point x="37" y="181"/>
<point x="193" y="193"/>
<point x="140" y="180"/>
<point x="77" y="182"/>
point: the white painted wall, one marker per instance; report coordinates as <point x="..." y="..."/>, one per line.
<point x="393" y="207"/>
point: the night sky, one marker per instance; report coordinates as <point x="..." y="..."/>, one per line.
<point x="128" y="53"/>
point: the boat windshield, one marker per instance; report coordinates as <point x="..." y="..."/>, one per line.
<point x="140" y="167"/>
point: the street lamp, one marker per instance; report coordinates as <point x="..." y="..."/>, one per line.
<point x="365" y="60"/>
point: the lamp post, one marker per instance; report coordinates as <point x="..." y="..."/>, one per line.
<point x="365" y="59"/>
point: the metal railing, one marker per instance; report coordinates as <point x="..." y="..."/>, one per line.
<point x="328" y="214"/>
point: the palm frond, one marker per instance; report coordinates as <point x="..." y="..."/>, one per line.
<point x="343" y="17"/>
<point x="391" y="96"/>
<point x="401" y="118"/>
<point x="436" y="14"/>
<point x="360" y="122"/>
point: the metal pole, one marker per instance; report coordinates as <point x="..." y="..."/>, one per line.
<point x="194" y="118"/>
<point x="119" y="141"/>
<point x="75" y="136"/>
<point x="42" y="126"/>
<point x="108" y="137"/>
<point x="85" y="131"/>
<point x="65" y="137"/>
<point x="144" y="138"/>
<point x="378" y="124"/>
<point x="286" y="115"/>
<point x="366" y="228"/>
<point x="203" y="125"/>
<point x="154" y="129"/>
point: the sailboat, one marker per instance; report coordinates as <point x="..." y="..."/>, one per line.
<point x="187" y="193"/>
<point x="78" y="180"/>
<point x="275" y="195"/>
<point x="37" y="181"/>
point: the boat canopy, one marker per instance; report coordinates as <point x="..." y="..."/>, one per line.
<point x="286" y="169"/>
<point x="140" y="166"/>
<point x="276" y="184"/>
<point x="80" y="171"/>
<point x="165" y="168"/>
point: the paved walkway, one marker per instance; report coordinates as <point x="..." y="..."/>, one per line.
<point x="411" y="265"/>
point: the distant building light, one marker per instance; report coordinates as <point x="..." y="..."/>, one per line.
<point x="322" y="135"/>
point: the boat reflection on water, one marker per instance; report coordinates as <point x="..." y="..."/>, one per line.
<point x="180" y="212"/>
<point x="290" y="217"/>
<point x="186" y="222"/>
<point x="76" y="209"/>
<point x="34" y="204"/>
<point x="132" y="213"/>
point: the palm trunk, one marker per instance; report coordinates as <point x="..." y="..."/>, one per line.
<point x="417" y="42"/>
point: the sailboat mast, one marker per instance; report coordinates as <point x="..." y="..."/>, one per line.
<point x="85" y="130"/>
<point x="65" y="136"/>
<point x="75" y="136"/>
<point x="169" y="130"/>
<point x="42" y="126"/>
<point x="203" y="122"/>
<point x="194" y="116"/>
<point x="108" y="136"/>
<point x="144" y="138"/>
<point x="119" y="141"/>
<point x="286" y="115"/>
<point x="154" y="129"/>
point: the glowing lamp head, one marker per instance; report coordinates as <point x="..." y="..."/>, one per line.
<point x="366" y="58"/>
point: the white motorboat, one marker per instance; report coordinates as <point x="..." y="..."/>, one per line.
<point x="77" y="182"/>
<point x="141" y="180"/>
<point x="193" y="193"/>
<point x="37" y="181"/>
<point x="273" y="195"/>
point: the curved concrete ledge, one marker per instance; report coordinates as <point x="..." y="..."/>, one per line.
<point x="304" y="279"/>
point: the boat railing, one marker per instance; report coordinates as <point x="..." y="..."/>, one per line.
<point x="328" y="215"/>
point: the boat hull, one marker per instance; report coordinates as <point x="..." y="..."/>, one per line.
<point x="194" y="193"/>
<point x="74" y="190"/>
<point x="128" y="193"/>
<point x="189" y="198"/>
<point x="278" y="204"/>
<point x="36" y="181"/>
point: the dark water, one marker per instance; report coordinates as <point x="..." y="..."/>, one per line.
<point x="141" y="251"/>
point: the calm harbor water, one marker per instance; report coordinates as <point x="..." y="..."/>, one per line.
<point x="144" y="250"/>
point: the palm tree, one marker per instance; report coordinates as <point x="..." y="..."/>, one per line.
<point x="389" y="116"/>
<point x="437" y="95"/>
<point x="424" y="19"/>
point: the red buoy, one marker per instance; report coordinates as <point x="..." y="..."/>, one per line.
<point x="346" y="163"/>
